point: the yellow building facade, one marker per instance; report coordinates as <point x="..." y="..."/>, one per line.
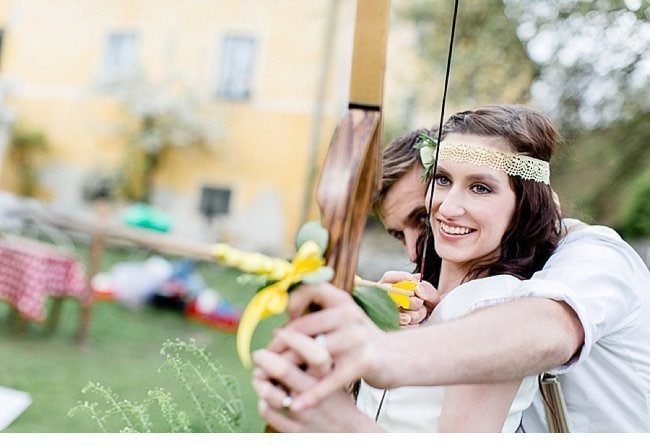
<point x="271" y="78"/>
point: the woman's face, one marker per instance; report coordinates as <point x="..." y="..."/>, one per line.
<point x="471" y="208"/>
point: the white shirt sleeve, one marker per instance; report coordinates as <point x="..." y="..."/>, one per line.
<point x="599" y="276"/>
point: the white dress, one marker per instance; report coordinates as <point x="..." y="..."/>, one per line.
<point x="417" y="408"/>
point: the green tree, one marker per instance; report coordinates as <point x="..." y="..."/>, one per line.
<point x="593" y="80"/>
<point x="489" y="62"/>
<point x="636" y="221"/>
<point x="158" y="119"/>
<point x="592" y="57"/>
<point x="24" y="149"/>
<point x="595" y="169"/>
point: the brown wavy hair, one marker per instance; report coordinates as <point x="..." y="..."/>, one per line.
<point x="398" y="158"/>
<point x="534" y="231"/>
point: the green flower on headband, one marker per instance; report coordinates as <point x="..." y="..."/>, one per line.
<point x="428" y="148"/>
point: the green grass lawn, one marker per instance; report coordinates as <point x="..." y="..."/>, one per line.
<point x="122" y="353"/>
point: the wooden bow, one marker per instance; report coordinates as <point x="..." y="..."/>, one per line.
<point x="351" y="170"/>
<point x="352" y="167"/>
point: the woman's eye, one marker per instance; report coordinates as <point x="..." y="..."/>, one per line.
<point x="481" y="189"/>
<point x="442" y="180"/>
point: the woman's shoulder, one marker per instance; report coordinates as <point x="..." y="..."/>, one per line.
<point x="477" y="293"/>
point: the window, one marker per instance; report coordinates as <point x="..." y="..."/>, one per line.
<point x="2" y="33"/>
<point x="120" y="55"/>
<point x="215" y="201"/>
<point x="236" y="67"/>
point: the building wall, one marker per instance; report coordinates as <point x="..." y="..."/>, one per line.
<point x="52" y="56"/>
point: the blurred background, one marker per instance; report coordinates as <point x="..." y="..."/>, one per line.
<point x="208" y="120"/>
<point x="220" y="112"/>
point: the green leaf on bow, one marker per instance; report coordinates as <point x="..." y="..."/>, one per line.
<point x="322" y="274"/>
<point x="313" y="230"/>
<point x="379" y="307"/>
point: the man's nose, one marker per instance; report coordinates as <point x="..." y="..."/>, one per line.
<point x="411" y="244"/>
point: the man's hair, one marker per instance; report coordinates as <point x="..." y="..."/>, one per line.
<point x="534" y="231"/>
<point x="397" y="159"/>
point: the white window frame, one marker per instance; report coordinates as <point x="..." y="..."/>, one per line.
<point x="235" y="69"/>
<point x="2" y="43"/>
<point x="120" y="55"/>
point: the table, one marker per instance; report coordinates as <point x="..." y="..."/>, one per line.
<point x="31" y="271"/>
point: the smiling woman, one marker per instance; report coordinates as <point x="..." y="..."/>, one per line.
<point x="513" y="144"/>
<point x="470" y="211"/>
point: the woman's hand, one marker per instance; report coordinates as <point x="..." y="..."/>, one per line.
<point x="279" y="377"/>
<point x="358" y="347"/>
<point x="421" y="304"/>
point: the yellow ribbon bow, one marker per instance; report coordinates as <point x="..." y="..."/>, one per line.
<point x="274" y="298"/>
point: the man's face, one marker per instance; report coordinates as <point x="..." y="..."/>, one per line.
<point x="403" y="212"/>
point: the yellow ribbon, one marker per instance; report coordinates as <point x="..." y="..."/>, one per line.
<point x="272" y="299"/>
<point x="402" y="300"/>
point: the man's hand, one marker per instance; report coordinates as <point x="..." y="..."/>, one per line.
<point x="421" y="304"/>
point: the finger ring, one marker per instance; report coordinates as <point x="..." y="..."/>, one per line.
<point x="320" y="340"/>
<point x="286" y="402"/>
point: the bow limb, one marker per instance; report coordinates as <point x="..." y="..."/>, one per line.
<point x="352" y="167"/>
<point x="346" y="187"/>
<point x="351" y="170"/>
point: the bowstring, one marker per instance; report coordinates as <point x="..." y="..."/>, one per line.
<point x="428" y="230"/>
<point x="432" y="182"/>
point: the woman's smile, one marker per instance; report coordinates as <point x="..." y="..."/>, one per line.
<point x="454" y="230"/>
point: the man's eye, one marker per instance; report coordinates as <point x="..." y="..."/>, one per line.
<point x="399" y="235"/>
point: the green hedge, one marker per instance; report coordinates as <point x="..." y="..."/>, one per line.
<point x="636" y="222"/>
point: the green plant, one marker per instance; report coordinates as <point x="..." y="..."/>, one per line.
<point x="210" y="400"/>
<point x="24" y="147"/>
<point x="636" y="222"/>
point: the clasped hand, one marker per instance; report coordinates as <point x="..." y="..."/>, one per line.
<point x="303" y="377"/>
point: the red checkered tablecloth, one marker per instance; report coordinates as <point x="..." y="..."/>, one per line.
<point x="31" y="271"/>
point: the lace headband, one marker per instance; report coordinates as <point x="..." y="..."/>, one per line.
<point x="513" y="164"/>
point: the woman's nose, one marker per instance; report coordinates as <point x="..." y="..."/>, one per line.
<point x="451" y="204"/>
